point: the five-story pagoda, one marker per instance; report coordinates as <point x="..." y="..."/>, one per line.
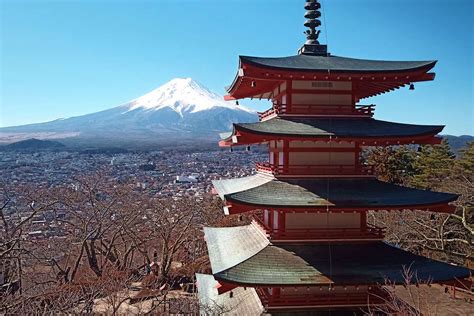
<point x="312" y="248"/>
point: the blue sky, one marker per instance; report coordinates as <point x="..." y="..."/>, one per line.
<point x="67" y="58"/>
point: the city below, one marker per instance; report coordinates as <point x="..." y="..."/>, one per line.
<point x="162" y="174"/>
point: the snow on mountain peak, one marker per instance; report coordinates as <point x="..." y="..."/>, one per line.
<point x="183" y="95"/>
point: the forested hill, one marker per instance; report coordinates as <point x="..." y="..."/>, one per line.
<point x="458" y="142"/>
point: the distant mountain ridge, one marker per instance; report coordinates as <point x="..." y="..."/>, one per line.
<point x="34" y="144"/>
<point x="458" y="142"/>
<point x="180" y="110"/>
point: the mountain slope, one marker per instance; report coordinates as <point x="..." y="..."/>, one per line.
<point x="180" y="109"/>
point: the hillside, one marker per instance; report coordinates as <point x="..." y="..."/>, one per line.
<point x="33" y="144"/>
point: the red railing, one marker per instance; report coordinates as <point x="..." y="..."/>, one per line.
<point x="313" y="109"/>
<point x="315" y="169"/>
<point x="369" y="232"/>
<point x="373" y="297"/>
<point x="268" y="113"/>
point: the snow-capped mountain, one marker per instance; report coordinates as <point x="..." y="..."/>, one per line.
<point x="180" y="109"/>
<point x="183" y="96"/>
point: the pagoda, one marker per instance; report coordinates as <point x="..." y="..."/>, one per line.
<point x="310" y="248"/>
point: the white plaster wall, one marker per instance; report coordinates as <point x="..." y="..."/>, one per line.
<point x="322" y="220"/>
<point x="321" y="158"/>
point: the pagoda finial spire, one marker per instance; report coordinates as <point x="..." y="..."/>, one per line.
<point x="312" y="15"/>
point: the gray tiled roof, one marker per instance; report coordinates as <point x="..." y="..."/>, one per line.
<point x="336" y="64"/>
<point x="228" y="186"/>
<point x="340" y="127"/>
<point x="349" y="263"/>
<point x="274" y="265"/>
<point x="337" y="192"/>
<point x="244" y="301"/>
<point x="228" y="246"/>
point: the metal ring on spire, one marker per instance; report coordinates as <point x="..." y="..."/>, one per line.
<point x="312" y="15"/>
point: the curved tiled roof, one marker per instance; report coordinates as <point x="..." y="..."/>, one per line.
<point x="227" y="246"/>
<point x="340" y="127"/>
<point x="229" y="186"/>
<point x="323" y="263"/>
<point x="337" y="192"/>
<point x="336" y="64"/>
<point x="244" y="301"/>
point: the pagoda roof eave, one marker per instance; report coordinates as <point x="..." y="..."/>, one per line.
<point x="354" y="263"/>
<point x="349" y="264"/>
<point x="223" y="243"/>
<point x="338" y="194"/>
<point x="241" y="302"/>
<point x="374" y="77"/>
<point x="338" y="64"/>
<point x="373" y="131"/>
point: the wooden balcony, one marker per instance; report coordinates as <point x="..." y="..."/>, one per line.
<point x="323" y="234"/>
<point x="267" y="114"/>
<point x="318" y="110"/>
<point x="315" y="170"/>
<point x="363" y="299"/>
<point x="370" y="232"/>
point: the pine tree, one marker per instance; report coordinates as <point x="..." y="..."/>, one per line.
<point x="465" y="164"/>
<point x="393" y="164"/>
<point x="433" y="164"/>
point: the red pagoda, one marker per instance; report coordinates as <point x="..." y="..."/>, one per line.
<point x="312" y="249"/>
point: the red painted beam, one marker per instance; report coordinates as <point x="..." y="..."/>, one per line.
<point x="238" y="208"/>
<point x="224" y="287"/>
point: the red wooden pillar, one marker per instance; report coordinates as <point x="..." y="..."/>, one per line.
<point x="281" y="221"/>
<point x="363" y="220"/>
<point x="270" y="219"/>
<point x="276" y="292"/>
<point x="277" y="100"/>
<point x="274" y="153"/>
<point x="286" y="155"/>
<point x="357" y="157"/>
<point x="289" y="99"/>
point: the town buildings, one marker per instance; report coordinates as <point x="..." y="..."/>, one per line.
<point x="151" y="172"/>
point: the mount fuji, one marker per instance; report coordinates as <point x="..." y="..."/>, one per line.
<point x="180" y="110"/>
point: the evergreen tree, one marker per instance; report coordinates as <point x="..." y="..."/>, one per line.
<point x="433" y="164"/>
<point x="465" y="164"/>
<point x="393" y="164"/>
